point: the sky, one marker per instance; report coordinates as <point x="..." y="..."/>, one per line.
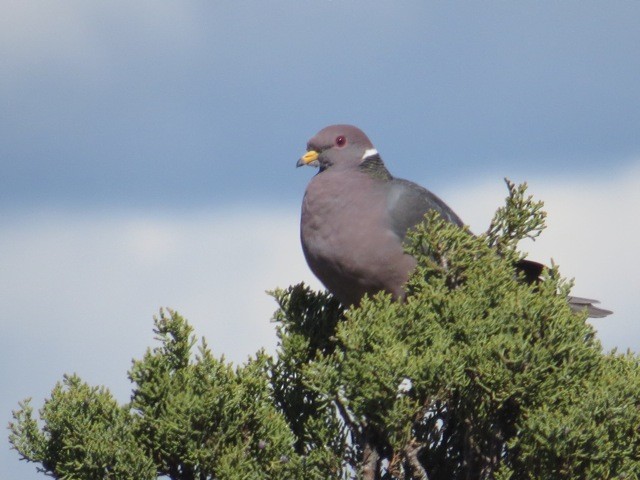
<point x="147" y="154"/>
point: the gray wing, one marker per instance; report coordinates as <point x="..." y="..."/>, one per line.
<point x="407" y="203"/>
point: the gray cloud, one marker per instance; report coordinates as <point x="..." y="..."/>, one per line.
<point x="202" y="104"/>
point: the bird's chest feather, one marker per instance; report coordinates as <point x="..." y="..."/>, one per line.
<point x="338" y="218"/>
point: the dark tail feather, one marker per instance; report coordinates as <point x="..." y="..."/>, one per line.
<point x="532" y="271"/>
<point x="578" y="304"/>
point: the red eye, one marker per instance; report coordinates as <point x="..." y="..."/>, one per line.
<point x="341" y="141"/>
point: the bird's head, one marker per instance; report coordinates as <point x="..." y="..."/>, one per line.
<point x="338" y="146"/>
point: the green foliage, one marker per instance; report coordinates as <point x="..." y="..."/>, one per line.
<point x="591" y="432"/>
<point x="200" y="418"/>
<point x="307" y="322"/>
<point x="521" y="217"/>
<point x="478" y="374"/>
<point x="86" y="435"/>
<point x="190" y="417"/>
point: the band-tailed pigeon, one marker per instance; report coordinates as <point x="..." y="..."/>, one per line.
<point x="355" y="216"/>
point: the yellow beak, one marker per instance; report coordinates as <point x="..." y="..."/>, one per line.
<point x="309" y="158"/>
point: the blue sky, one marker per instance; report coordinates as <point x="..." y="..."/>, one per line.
<point x="147" y="156"/>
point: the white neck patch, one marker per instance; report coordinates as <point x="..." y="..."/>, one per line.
<point x="370" y="152"/>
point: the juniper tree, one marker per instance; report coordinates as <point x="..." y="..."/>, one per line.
<point x="478" y="374"/>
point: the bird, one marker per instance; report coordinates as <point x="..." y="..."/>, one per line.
<point x="355" y="217"/>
